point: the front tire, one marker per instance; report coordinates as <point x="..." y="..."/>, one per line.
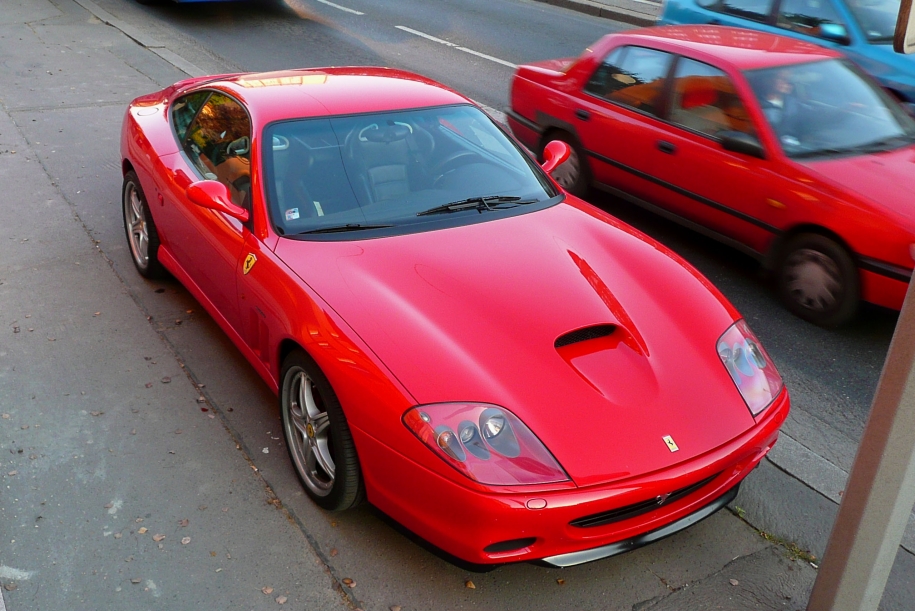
<point x="574" y="174"/>
<point x="317" y="435"/>
<point x="818" y="280"/>
<point x="142" y="236"/>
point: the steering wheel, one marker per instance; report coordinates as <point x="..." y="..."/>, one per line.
<point x="452" y="162"/>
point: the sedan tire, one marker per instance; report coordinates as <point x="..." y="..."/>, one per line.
<point x="142" y="236"/>
<point x="818" y="280"/>
<point x="318" y="436"/>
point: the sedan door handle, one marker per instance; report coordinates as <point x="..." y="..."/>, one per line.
<point x="584" y="115"/>
<point x="666" y="147"/>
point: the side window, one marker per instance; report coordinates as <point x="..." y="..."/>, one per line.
<point x="806" y="16"/>
<point x="704" y="100"/>
<point x="757" y="10"/>
<point x="632" y="76"/>
<point x="183" y="112"/>
<point x="218" y="143"/>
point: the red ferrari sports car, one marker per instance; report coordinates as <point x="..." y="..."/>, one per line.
<point x="778" y="147"/>
<point x="502" y="368"/>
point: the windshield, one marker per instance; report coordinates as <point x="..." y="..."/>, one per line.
<point x="829" y="108"/>
<point x="347" y="174"/>
<point x="877" y="18"/>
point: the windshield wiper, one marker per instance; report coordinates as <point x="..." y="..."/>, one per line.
<point x="885" y="144"/>
<point x="478" y="203"/>
<point x="342" y="228"/>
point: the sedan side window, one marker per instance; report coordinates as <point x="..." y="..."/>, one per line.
<point x="757" y="10"/>
<point x="806" y="16"/>
<point x="705" y="101"/>
<point x="632" y="76"/>
<point x="218" y="143"/>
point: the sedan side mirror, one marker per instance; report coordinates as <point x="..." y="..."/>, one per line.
<point x="834" y="32"/>
<point x="214" y="195"/>
<point x="740" y="142"/>
<point x="554" y="154"/>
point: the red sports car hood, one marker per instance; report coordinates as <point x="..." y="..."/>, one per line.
<point x="473" y="313"/>
<point x="886" y="179"/>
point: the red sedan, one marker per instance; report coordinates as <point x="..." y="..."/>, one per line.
<point x="780" y="148"/>
<point x="507" y="371"/>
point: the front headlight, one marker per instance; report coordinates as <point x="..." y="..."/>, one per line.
<point x="485" y="442"/>
<point x="750" y="367"/>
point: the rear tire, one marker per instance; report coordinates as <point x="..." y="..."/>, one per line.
<point x="574" y="174"/>
<point x="317" y="435"/>
<point x="142" y="236"/>
<point x="818" y="280"/>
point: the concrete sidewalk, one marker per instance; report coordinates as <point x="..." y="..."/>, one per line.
<point x="109" y="446"/>
<point x="635" y="12"/>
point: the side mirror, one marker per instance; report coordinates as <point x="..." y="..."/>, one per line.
<point x="740" y="142"/>
<point x="909" y="108"/>
<point x="554" y="154"/>
<point x="834" y="32"/>
<point x="214" y="195"/>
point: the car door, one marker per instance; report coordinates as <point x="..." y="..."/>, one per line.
<point x="725" y="191"/>
<point x="619" y="99"/>
<point x="208" y="244"/>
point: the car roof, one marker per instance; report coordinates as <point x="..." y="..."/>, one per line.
<point x="741" y="48"/>
<point x="288" y="94"/>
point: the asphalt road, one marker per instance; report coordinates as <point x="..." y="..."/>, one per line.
<point x="831" y="374"/>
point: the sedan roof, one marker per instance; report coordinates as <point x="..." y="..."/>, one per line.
<point x="743" y="49"/>
<point x="273" y="96"/>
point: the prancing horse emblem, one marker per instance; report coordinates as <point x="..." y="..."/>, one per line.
<point x="671" y="444"/>
<point x="250" y="260"/>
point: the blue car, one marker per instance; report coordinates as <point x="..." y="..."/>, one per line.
<point x="861" y="29"/>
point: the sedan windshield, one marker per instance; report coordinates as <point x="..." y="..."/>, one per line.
<point x="346" y="175"/>
<point x="828" y="108"/>
<point x="877" y="18"/>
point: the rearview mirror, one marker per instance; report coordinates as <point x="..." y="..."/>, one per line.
<point x="214" y="195"/>
<point x="554" y="154"/>
<point x="740" y="142"/>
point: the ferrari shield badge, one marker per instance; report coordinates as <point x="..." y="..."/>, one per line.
<point x="671" y="444"/>
<point x="250" y="260"/>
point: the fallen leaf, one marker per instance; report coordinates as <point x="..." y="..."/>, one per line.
<point x="561" y="581"/>
<point x="334" y="552"/>
<point x="185" y="540"/>
<point x="5" y="416"/>
<point x="281" y="600"/>
<point x="177" y="431"/>
<point x="218" y="570"/>
<point x="96" y="413"/>
<point x="109" y="505"/>
<point x="158" y="538"/>
<point x="15" y="329"/>
<point x="178" y="321"/>
<point x="12" y="473"/>
<point x="183" y="522"/>
<point x="24" y="427"/>
<point x="267" y="590"/>
<point x="135" y="580"/>
<point x="202" y="507"/>
<point x="97" y="314"/>
<point x="166" y="380"/>
<point x="10" y="587"/>
<point x="117" y="535"/>
<point x="469" y="584"/>
<point x="143" y="530"/>
<point x="138" y="520"/>
<point x="133" y="431"/>
<point x="733" y="582"/>
<point x="349" y="582"/>
<point x="395" y="607"/>
<point x="266" y="450"/>
<point x="190" y="311"/>
<point x="201" y="399"/>
<point x="149" y="385"/>
<point x="212" y="554"/>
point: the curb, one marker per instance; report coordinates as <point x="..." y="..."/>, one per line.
<point x="616" y="13"/>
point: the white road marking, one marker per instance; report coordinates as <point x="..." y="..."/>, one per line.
<point x="453" y="45"/>
<point x="8" y="572"/>
<point x="342" y="8"/>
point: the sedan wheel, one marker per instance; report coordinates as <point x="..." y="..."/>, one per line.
<point x="818" y="280"/>
<point x="317" y="435"/>
<point x="142" y="236"/>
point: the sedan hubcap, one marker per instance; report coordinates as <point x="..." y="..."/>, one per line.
<point x="136" y="226"/>
<point x="813" y="279"/>
<point x="308" y="432"/>
<point x="566" y="173"/>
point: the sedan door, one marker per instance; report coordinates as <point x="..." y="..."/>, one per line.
<point x="727" y="192"/>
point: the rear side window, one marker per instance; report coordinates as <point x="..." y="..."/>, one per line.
<point x="705" y="100"/>
<point x="632" y="76"/>
<point x="183" y="111"/>
<point x="757" y="10"/>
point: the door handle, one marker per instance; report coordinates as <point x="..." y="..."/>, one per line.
<point x="666" y="147"/>
<point x="584" y="115"/>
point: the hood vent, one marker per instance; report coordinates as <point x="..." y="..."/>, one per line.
<point x="583" y="335"/>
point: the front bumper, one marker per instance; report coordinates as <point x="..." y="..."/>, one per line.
<point x="465" y="522"/>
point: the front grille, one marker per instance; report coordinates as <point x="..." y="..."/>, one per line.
<point x="637" y="509"/>
<point x="581" y="335"/>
